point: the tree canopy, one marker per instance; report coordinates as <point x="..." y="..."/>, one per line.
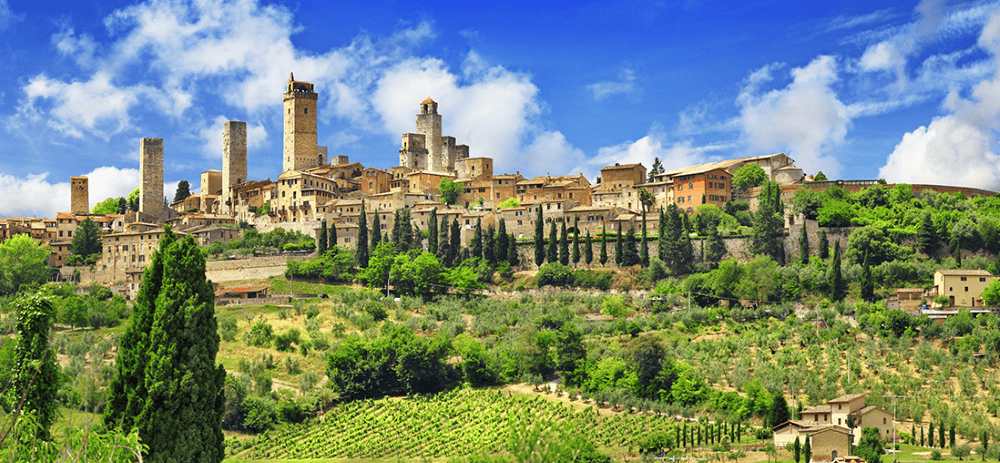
<point x="450" y="190"/>
<point x="22" y="263"/>
<point x="749" y="176"/>
<point x="183" y="191"/>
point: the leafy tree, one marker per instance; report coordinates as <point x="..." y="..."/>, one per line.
<point x="961" y="451"/>
<point x="870" y="446"/>
<point x="432" y="232"/>
<point x="416" y="276"/>
<point x="35" y="379"/>
<point x="168" y="385"/>
<point x="378" y="271"/>
<point x="823" y="246"/>
<point x="464" y="279"/>
<point x="819" y="177"/>
<point x="361" y="249"/>
<point x="804" y="245"/>
<point x="603" y="259"/>
<point x="991" y="295"/>
<point x="86" y="241"/>
<point x="551" y="254"/>
<point x="808" y="201"/>
<point x="321" y="245"/>
<point x="838" y="286"/>
<point x="539" y="238"/>
<point x="450" y="190"/>
<point x="563" y="244"/>
<point x="588" y="250"/>
<point x="22" y="263"/>
<point x="748" y="176"/>
<point x="183" y="191"/>
<point x="133" y="200"/>
<point x="509" y="203"/>
<point x="873" y="241"/>
<point x="108" y="206"/>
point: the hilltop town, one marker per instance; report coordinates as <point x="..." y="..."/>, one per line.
<point x="315" y="187"/>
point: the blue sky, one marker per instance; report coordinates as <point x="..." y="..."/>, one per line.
<point x="906" y="91"/>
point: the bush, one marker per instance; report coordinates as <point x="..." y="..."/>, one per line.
<point x="936" y="455"/>
<point x="376" y="310"/>
<point x="554" y="274"/>
<point x="592" y="279"/>
<point x="260" y="334"/>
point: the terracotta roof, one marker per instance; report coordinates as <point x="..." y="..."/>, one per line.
<point x="622" y="166"/>
<point x="427" y="100"/>
<point x="964" y="272"/>
<point x="845" y="398"/>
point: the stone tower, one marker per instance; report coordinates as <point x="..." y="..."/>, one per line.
<point x="300" y="126"/>
<point x="79" y="195"/>
<point x="413" y="154"/>
<point x="151" y="179"/>
<point x="234" y="160"/>
<point x="429" y="124"/>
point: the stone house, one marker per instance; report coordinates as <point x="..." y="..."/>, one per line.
<point x="849" y="410"/>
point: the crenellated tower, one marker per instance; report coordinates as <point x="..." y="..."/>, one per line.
<point x="300" y="144"/>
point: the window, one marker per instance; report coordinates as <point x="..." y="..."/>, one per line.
<point x="982" y="279"/>
<point x="963" y="278"/>
<point x="690" y="185"/>
<point x="966" y="289"/>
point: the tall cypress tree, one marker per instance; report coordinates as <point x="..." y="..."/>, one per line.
<point x="619" y="253"/>
<point x="321" y="242"/>
<point x="512" y="256"/>
<point x="643" y="245"/>
<point x="500" y="243"/>
<point x="823" y="246"/>
<point x="377" y="232"/>
<point x="361" y="249"/>
<point x="35" y="376"/>
<point x="603" y="258"/>
<point x="927" y="234"/>
<point x="432" y="232"/>
<point x="539" y="237"/>
<point x="563" y="244"/>
<point x="576" y="240"/>
<point x="406" y="235"/>
<point x="930" y="434"/>
<point x="807" y="452"/>
<point x="332" y="238"/>
<point x="455" y="246"/>
<point x="804" y="245"/>
<point x="396" y="232"/>
<point x="488" y="243"/>
<point x="442" y="253"/>
<point x="168" y="386"/>
<point x="588" y="251"/>
<point x="867" y="283"/>
<point x="838" y="287"/>
<point x="661" y="239"/>
<point x="477" y="240"/>
<point x="552" y="255"/>
<point x="630" y="255"/>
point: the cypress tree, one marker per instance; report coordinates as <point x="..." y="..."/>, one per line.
<point x="332" y="238"/>
<point x="321" y="241"/>
<point x="662" y="238"/>
<point x="867" y="283"/>
<point x="930" y="434"/>
<point x="576" y="240"/>
<point x="619" y="254"/>
<point x="488" y="243"/>
<point x="716" y="247"/>
<point x="442" y="253"/>
<point x="631" y="254"/>
<point x="361" y="249"/>
<point x="563" y="244"/>
<point x="588" y="251"/>
<point x="500" y="243"/>
<point x="926" y="234"/>
<point x="823" y="246"/>
<point x="512" y="256"/>
<point x="807" y="450"/>
<point x="377" y="232"/>
<point x="406" y="235"/>
<point x="951" y="435"/>
<point x="395" y="233"/>
<point x="838" y="287"/>
<point x="643" y="245"/>
<point x="35" y="376"/>
<point x="922" y="436"/>
<point x="941" y="435"/>
<point x="603" y="259"/>
<point x="455" y="247"/>
<point x="168" y="386"/>
<point x="477" y="239"/>
<point x="804" y="246"/>
<point x="956" y="250"/>
<point x="551" y="254"/>
<point x="432" y="232"/>
<point x="539" y="237"/>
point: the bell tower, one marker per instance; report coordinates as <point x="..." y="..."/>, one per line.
<point x="429" y="124"/>
<point x="300" y="126"/>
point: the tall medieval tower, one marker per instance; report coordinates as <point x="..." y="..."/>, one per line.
<point x="234" y="160"/>
<point x="429" y="124"/>
<point x="300" y="126"/>
<point x="151" y="179"/>
<point x="79" y="195"/>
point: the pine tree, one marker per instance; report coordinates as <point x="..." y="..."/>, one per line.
<point x="477" y="240"/>
<point x="867" y="283"/>
<point x="603" y="259"/>
<point x="184" y="190"/>
<point x="34" y="381"/>
<point x="361" y="249"/>
<point x="768" y="224"/>
<point x="168" y="386"/>
<point x="588" y="251"/>
<point x="488" y="244"/>
<point x="455" y="247"/>
<point x="551" y="254"/>
<point x="321" y="242"/>
<point x="376" y="238"/>
<point x="563" y="244"/>
<point x="643" y="245"/>
<point x="804" y="246"/>
<point x="432" y="232"/>
<point x="619" y="252"/>
<point x="539" y="238"/>
<point x="838" y="287"/>
<point x="823" y="246"/>
<point x="332" y="238"/>
<point x="86" y="240"/>
<point x="576" y="240"/>
<point x="512" y="255"/>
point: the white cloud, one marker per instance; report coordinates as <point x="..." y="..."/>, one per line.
<point x="34" y="195"/>
<point x="96" y="105"/>
<point x="959" y="148"/>
<point x="804" y="120"/>
<point x="624" y="85"/>
<point x="211" y="135"/>
<point x="8" y="17"/>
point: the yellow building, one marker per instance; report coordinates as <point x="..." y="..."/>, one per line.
<point x="963" y="286"/>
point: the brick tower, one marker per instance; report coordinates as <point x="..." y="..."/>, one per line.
<point x="300" y="126"/>
<point x="151" y="179"/>
<point x="429" y="124"/>
<point x="79" y="195"/>
<point x="234" y="160"/>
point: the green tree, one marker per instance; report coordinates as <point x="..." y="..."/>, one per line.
<point x="603" y="258"/>
<point x="576" y="240"/>
<point x="35" y="380"/>
<point x="941" y="431"/>
<point x="22" y="263"/>
<point x="500" y="242"/>
<point x="450" y="190"/>
<point x="951" y="435"/>
<point x="379" y="269"/>
<point x="797" y="449"/>
<point x="539" y="237"/>
<point x="778" y="412"/>
<point x="807" y="451"/>
<point x="823" y="246"/>
<point x="551" y="254"/>
<point x="619" y="248"/>
<point x="86" y="242"/>
<point x="489" y="244"/>
<point x="477" y="240"/>
<point x="662" y="238"/>
<point x="927" y="239"/>
<point x="867" y="283"/>
<point x="870" y="446"/>
<point x="835" y="277"/>
<point x="108" y="206"/>
<point x="748" y="176"/>
<point x="509" y="203"/>
<point x="804" y="245"/>
<point x="361" y="249"/>
<point x="168" y="386"/>
<point x="643" y="245"/>
<point x="455" y="245"/>
<point x="332" y="237"/>
<point x="657" y="168"/>
<point x="588" y="250"/>
<point x="513" y="258"/>
<point x="122" y="206"/>
<point x="630" y="255"/>
<point x="768" y="224"/>
<point x="819" y="177"/>
<point x="432" y="232"/>
<point x="183" y="191"/>
<point x="716" y="247"/>
<point x="930" y="434"/>
<point x="321" y="243"/>
<point x="991" y="295"/>
<point x="563" y="244"/>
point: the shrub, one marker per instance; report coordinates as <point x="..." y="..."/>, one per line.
<point x="376" y="310"/>
<point x="554" y="274"/>
<point x="592" y="279"/>
<point x="260" y="334"/>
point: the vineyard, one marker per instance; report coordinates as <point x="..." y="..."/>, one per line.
<point x="454" y="423"/>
